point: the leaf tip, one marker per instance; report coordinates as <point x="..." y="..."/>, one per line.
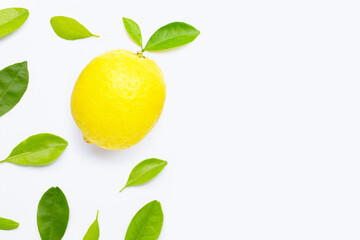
<point x="26" y="12"/>
<point x="156" y="202"/>
<point x="25" y="63"/>
<point x="57" y="189"/>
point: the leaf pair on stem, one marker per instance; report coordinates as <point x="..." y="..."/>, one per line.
<point x="172" y="35"/>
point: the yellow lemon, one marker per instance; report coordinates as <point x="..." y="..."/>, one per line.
<point x="117" y="99"/>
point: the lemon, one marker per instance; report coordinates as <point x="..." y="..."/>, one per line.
<point x="117" y="99"/>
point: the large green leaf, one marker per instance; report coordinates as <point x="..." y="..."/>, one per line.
<point x="40" y="149"/>
<point x="11" y="19"/>
<point x="134" y="30"/>
<point x="7" y="224"/>
<point x="14" y="80"/>
<point x="145" y="171"/>
<point x="172" y="35"/>
<point x="69" y="29"/>
<point x="147" y="223"/>
<point x="53" y="214"/>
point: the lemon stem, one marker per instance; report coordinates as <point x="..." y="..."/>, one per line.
<point x="140" y="54"/>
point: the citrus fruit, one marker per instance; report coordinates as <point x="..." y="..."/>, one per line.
<point x="118" y="98"/>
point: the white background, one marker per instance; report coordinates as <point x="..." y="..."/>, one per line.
<point x="261" y="126"/>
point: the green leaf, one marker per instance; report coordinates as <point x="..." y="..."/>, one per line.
<point x="172" y="35"/>
<point x="69" y="29"/>
<point x="11" y="19"/>
<point x="94" y="231"/>
<point x="134" y="30"/>
<point x="7" y="224"/>
<point x="53" y="214"/>
<point x="147" y="223"/>
<point x="145" y="171"/>
<point x="14" y="80"/>
<point x="40" y="149"/>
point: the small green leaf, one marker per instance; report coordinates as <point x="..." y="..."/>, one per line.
<point x="7" y="224"/>
<point x="145" y="171"/>
<point x="172" y="35"/>
<point x="40" y="149"/>
<point x="14" y="80"/>
<point x="11" y="19"/>
<point x="134" y="30"/>
<point x="69" y="29"/>
<point x="147" y="223"/>
<point x="94" y="231"/>
<point x="53" y="214"/>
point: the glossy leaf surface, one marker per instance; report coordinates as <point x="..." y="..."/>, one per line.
<point x="172" y="35"/>
<point x="14" y="80"/>
<point x="69" y="29"/>
<point x="12" y="19"/>
<point x="145" y="171"/>
<point x="7" y="224"/>
<point x="147" y="223"/>
<point x="134" y="30"/>
<point x="93" y="232"/>
<point x="53" y="214"/>
<point x="40" y="149"/>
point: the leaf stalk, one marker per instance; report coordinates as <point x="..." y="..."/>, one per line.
<point x="122" y="189"/>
